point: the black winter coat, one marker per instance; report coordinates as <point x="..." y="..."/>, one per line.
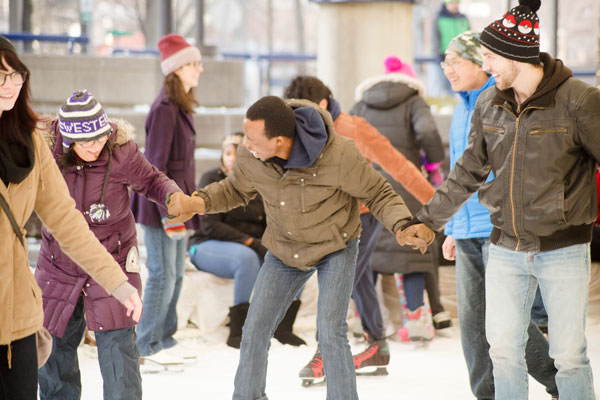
<point x="236" y="225"/>
<point x="394" y="104"/>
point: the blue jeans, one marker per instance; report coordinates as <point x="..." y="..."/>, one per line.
<point x="118" y="357"/>
<point x="538" y="311"/>
<point x="364" y="294"/>
<point x="166" y="265"/>
<point x="228" y="260"/>
<point x="471" y="261"/>
<point x="511" y="280"/>
<point x="414" y="285"/>
<point x="275" y="288"/>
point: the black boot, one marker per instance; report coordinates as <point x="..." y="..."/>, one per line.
<point x="237" y="317"/>
<point x="284" y="331"/>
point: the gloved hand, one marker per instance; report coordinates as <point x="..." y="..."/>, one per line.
<point x="182" y="207"/>
<point x="418" y="236"/>
<point x="257" y="246"/>
<point x="174" y="231"/>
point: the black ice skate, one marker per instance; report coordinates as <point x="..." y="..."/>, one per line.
<point x="373" y="360"/>
<point x="313" y="373"/>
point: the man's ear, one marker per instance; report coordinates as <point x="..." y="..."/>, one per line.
<point x="323" y="104"/>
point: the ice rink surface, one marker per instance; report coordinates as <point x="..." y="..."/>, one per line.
<point x="434" y="372"/>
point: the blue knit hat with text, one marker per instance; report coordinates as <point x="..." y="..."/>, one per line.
<point x="81" y="119"/>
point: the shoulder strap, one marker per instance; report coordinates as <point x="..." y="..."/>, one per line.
<point x="11" y="218"/>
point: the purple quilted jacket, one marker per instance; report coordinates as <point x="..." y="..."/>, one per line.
<point x="61" y="280"/>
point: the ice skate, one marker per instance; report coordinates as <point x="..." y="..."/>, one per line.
<point x="161" y="362"/>
<point x="313" y="373"/>
<point x="373" y="360"/>
<point x="442" y="320"/>
<point x="417" y="326"/>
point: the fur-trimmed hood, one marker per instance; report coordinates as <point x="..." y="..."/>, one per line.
<point x="397" y="87"/>
<point x="123" y="131"/>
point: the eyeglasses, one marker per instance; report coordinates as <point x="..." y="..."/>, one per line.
<point x="452" y="64"/>
<point x="16" y="77"/>
<point x="90" y="143"/>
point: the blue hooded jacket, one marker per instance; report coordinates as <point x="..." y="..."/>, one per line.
<point x="473" y="219"/>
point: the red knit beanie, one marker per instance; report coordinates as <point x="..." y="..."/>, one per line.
<point x="175" y="52"/>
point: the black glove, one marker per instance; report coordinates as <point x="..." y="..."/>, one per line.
<point x="257" y="246"/>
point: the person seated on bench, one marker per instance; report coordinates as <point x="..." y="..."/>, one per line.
<point x="228" y="245"/>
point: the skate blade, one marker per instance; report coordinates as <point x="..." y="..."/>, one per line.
<point x="422" y="344"/>
<point x="372" y="371"/>
<point x="419" y="339"/>
<point x="308" y="382"/>
<point x="151" y="367"/>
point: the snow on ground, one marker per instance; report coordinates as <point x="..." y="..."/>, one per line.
<point x="436" y="372"/>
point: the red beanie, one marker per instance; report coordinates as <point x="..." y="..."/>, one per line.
<point x="175" y="52"/>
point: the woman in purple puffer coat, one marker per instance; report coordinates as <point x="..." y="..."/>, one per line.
<point x="100" y="163"/>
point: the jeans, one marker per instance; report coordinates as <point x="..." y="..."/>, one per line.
<point x="511" y="280"/>
<point x="117" y="355"/>
<point x="275" y="288"/>
<point x="414" y="285"/>
<point x="538" y="311"/>
<point x="364" y="294"/>
<point x="229" y="260"/>
<point x="166" y="265"/>
<point x="471" y="261"/>
<point x="20" y="381"/>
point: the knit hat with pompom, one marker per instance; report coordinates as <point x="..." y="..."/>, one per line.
<point x="516" y="35"/>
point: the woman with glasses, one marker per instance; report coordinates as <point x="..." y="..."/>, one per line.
<point x="170" y="143"/>
<point x="100" y="163"/>
<point x="31" y="181"/>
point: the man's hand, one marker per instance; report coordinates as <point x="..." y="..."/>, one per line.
<point x="417" y="236"/>
<point x="134" y="306"/>
<point x="449" y="248"/>
<point x="182" y="207"/>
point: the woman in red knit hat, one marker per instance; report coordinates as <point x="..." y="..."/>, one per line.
<point x="170" y="142"/>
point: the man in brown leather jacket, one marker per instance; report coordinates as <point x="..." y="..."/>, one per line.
<point x="312" y="182"/>
<point x="537" y="131"/>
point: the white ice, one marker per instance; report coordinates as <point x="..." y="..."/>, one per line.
<point x="436" y="372"/>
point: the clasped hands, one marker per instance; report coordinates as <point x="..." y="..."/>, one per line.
<point x="182" y="207"/>
<point x="418" y="236"/>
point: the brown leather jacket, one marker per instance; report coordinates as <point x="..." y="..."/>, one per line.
<point x="543" y="155"/>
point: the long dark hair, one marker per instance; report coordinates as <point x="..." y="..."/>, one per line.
<point x="177" y="94"/>
<point x="17" y="124"/>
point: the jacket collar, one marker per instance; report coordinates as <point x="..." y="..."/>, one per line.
<point x="470" y="97"/>
<point x="368" y="83"/>
<point x="314" y="131"/>
<point x="555" y="73"/>
<point x="311" y="137"/>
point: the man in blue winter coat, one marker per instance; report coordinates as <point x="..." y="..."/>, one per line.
<point x="469" y="230"/>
